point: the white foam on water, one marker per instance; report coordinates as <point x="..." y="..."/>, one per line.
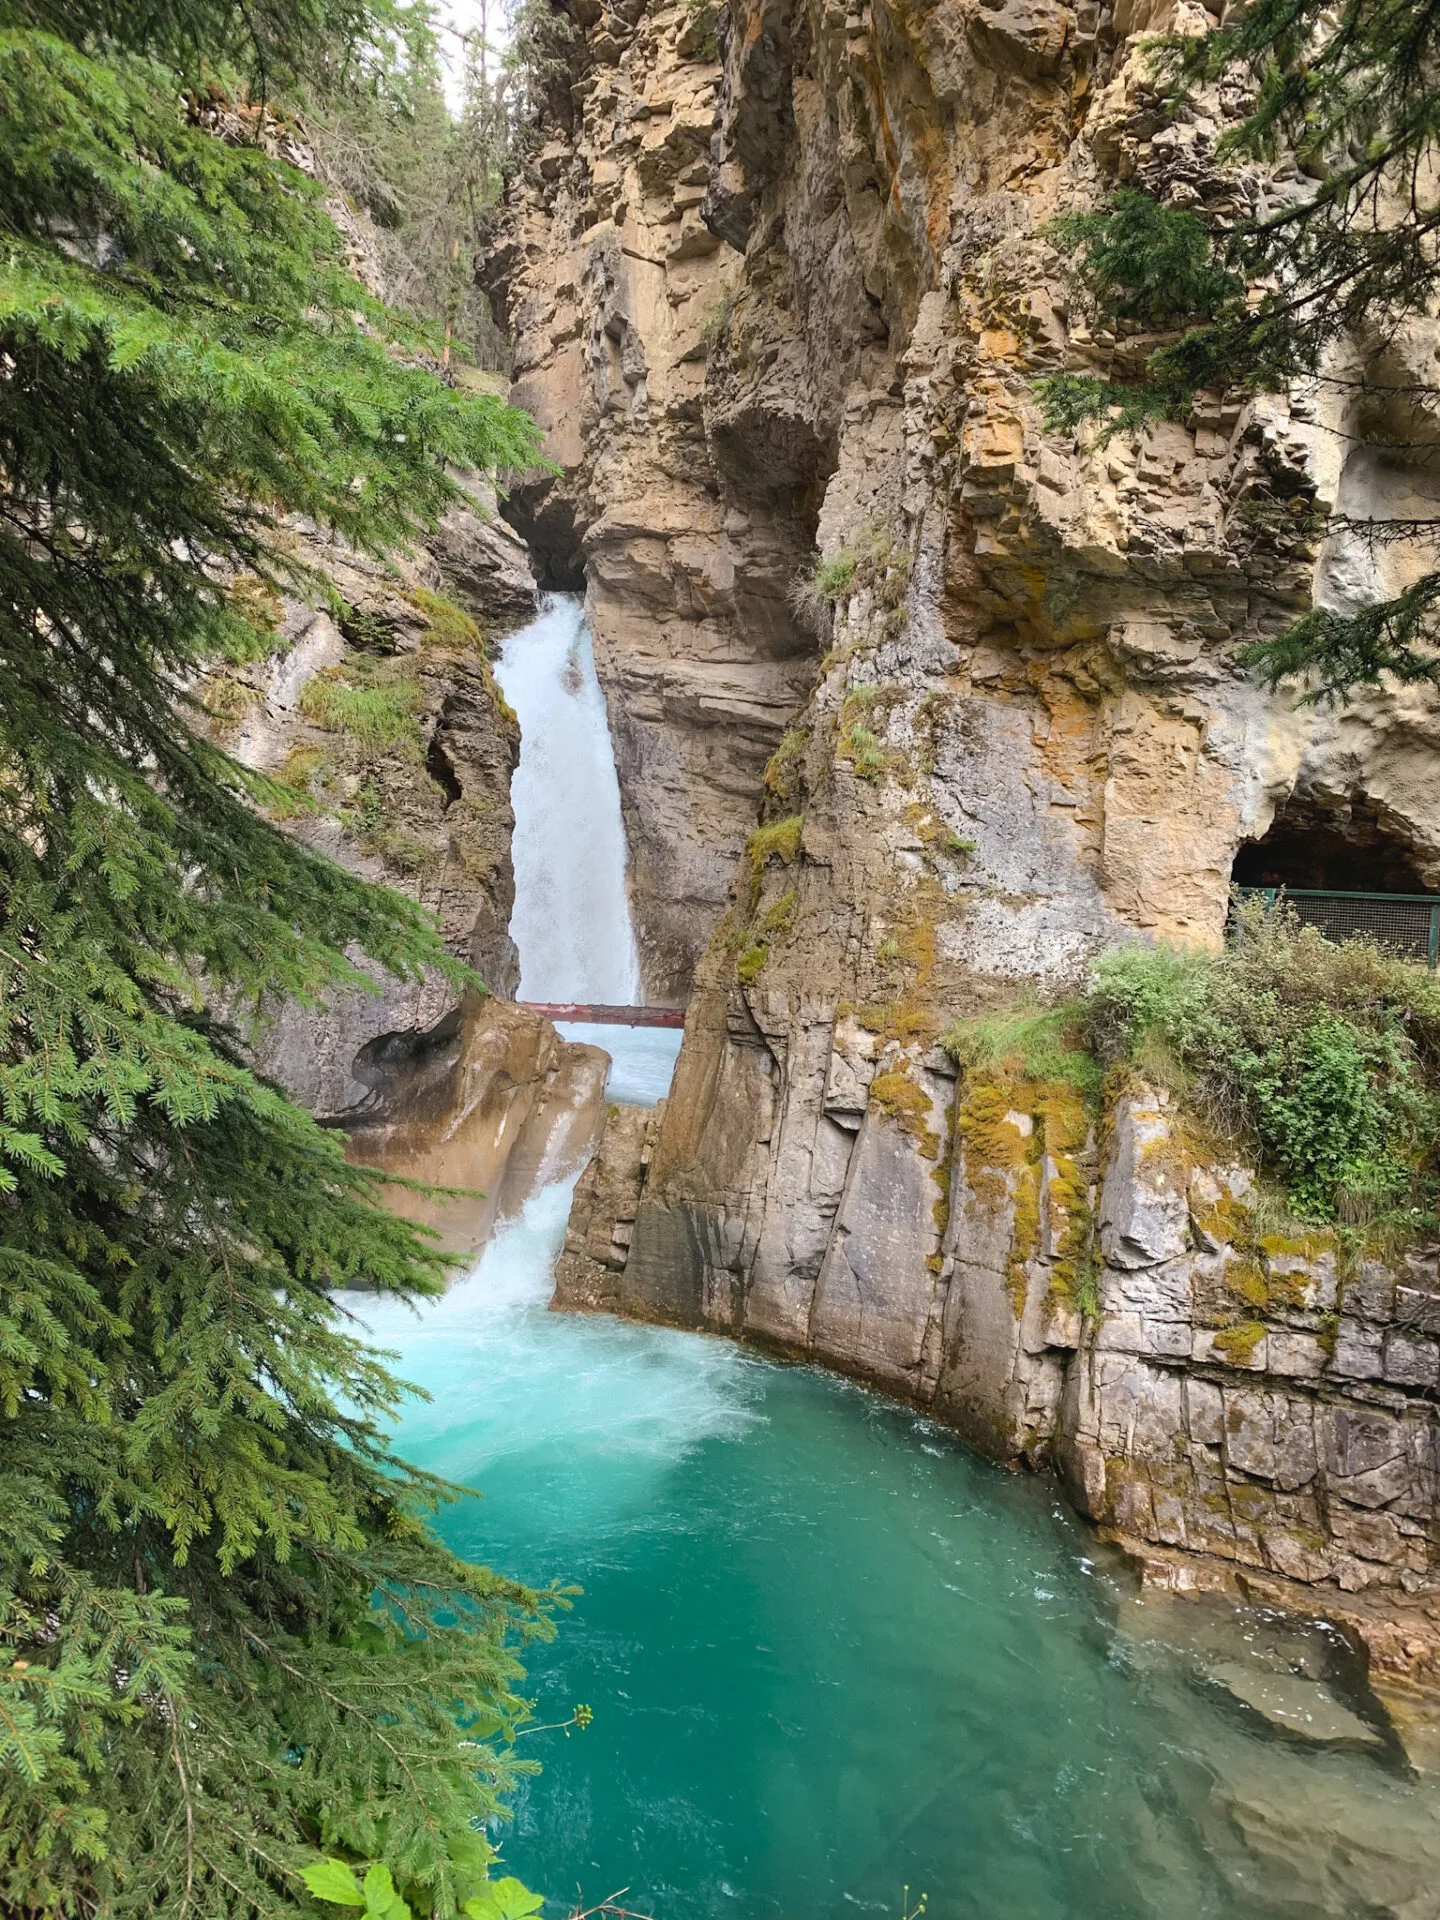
<point x="510" y="1381"/>
<point x="571" y="921"/>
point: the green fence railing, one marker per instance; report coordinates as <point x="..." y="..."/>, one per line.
<point x="1408" y="922"/>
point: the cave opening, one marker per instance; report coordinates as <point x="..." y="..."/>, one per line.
<point x="1345" y="848"/>
<point x="1345" y="871"/>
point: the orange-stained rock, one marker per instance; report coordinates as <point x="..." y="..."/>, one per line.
<point x="491" y="1099"/>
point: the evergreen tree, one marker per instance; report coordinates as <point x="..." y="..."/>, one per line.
<point x="431" y="182"/>
<point x="1262" y="301"/>
<point x="230" y="1641"/>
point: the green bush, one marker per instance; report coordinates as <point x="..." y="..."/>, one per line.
<point x="1321" y="1059"/>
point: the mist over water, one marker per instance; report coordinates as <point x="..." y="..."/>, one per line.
<point x="829" y="1652"/>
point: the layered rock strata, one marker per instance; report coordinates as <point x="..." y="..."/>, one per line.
<point x="590" y="1272"/>
<point x="786" y="278"/>
<point x="388" y="730"/>
<point x="490" y="1099"/>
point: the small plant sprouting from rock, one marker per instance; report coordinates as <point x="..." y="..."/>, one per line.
<point x="834" y="577"/>
<point x="784" y="768"/>
<point x="305" y="775"/>
<point x="1033" y="1060"/>
<point x="815" y="590"/>
<point x="873" y="560"/>
<point x="254" y="611"/>
<point x="369" y="818"/>
<point x="700" y="38"/>
<point x="781" y="917"/>
<point x="747" y="967"/>
<point x="365" y="629"/>
<point x="1085" y="1287"/>
<point x="227" y="700"/>
<point x="935" y="837"/>
<point x="447" y="624"/>
<point x="368" y="702"/>
<point x="778" y="840"/>
<point x="859" y="746"/>
<point x="1043" y="1043"/>
<point x="1238" y="1343"/>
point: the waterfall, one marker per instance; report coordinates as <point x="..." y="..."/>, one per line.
<point x="571" y="922"/>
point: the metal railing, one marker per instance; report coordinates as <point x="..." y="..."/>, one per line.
<point x="1408" y="922"/>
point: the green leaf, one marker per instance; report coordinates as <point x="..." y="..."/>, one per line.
<point x="507" y="1899"/>
<point x="333" y="1880"/>
<point x="381" y="1899"/>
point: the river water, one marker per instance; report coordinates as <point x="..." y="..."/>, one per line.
<point x="829" y="1653"/>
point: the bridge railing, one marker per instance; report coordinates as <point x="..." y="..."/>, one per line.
<point x="605" y="1016"/>
<point x="1407" y="922"/>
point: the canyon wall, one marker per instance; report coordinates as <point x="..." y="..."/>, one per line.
<point x="393" y="748"/>
<point x="781" y="287"/>
<point x="784" y="284"/>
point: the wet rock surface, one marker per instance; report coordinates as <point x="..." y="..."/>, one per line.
<point x="491" y="1099"/>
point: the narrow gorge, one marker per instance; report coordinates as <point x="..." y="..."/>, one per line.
<point x="841" y="703"/>
<point x="781" y="286"/>
<point x="720" y="959"/>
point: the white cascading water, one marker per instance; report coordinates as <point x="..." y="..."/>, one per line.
<point x="572" y="918"/>
<point x="505" y="1373"/>
<point x="572" y="921"/>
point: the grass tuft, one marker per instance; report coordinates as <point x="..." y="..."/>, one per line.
<point x="373" y="712"/>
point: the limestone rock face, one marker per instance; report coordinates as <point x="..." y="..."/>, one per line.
<point x="423" y="806"/>
<point x="618" y="293"/>
<point x="782" y="291"/>
<point x="784" y="283"/>
<point x="591" y="1267"/>
<point x="490" y="1098"/>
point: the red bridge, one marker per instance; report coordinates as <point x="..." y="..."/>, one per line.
<point x="609" y="1016"/>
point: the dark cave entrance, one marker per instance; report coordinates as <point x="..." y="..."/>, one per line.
<point x="1345" y="849"/>
<point x="1345" y="872"/>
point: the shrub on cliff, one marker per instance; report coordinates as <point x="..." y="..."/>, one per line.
<point x="231" y="1639"/>
<point x="1321" y="1059"/>
<point x="1261" y="297"/>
